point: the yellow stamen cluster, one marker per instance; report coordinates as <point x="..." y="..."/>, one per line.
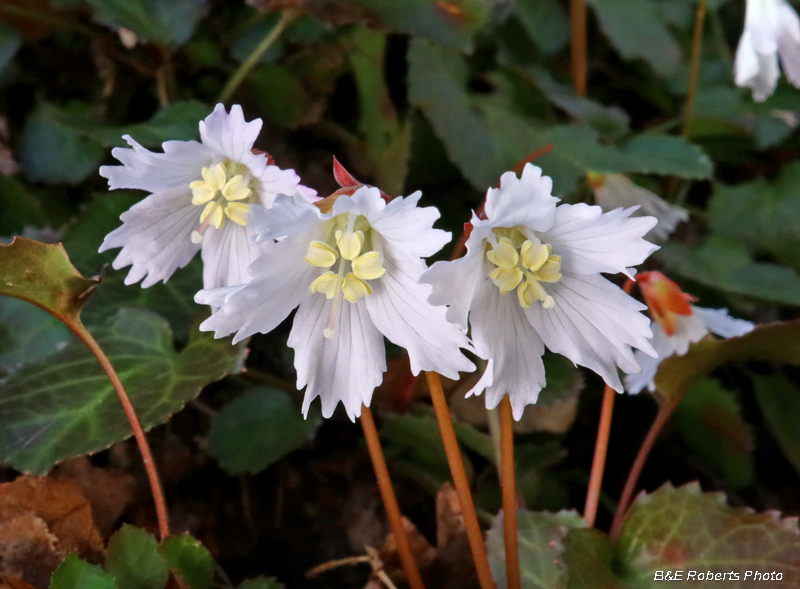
<point x="345" y="246"/>
<point x="225" y="193"/>
<point x="523" y="262"/>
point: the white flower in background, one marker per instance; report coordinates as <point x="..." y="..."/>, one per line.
<point x="612" y="191"/>
<point x="201" y="196"/>
<point x="531" y="278"/>
<point x="677" y="324"/>
<point x="771" y="28"/>
<point x="352" y="269"/>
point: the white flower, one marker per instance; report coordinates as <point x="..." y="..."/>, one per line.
<point x="612" y="191"/>
<point x="531" y="278"/>
<point x="771" y="28"/>
<point x="677" y="324"/>
<point x="201" y="195"/>
<point x="353" y="271"/>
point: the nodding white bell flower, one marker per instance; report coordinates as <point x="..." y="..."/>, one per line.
<point x="532" y="278"/>
<point x="201" y="193"/>
<point x="612" y="191"/>
<point x="350" y="264"/>
<point x="771" y="28"/>
<point x="677" y="324"/>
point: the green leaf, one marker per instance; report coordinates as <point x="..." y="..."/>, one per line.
<point x="132" y="557"/>
<point x="779" y="400"/>
<point x="262" y="583"/>
<point x="258" y="429"/>
<point x="188" y="559"/>
<point x="43" y="275"/>
<point x="764" y="214"/>
<point x="684" y="529"/>
<point x="173" y="299"/>
<point x="73" y="573"/>
<point x="541" y="548"/>
<point x="637" y="31"/>
<point x="778" y="342"/>
<point x="66" y="406"/>
<point x="437" y="85"/>
<point x="589" y="556"/>
<point x="726" y="264"/>
<point x="564" y="380"/>
<point x="611" y="121"/>
<point x="667" y="155"/>
<point x="170" y="22"/>
<point x="387" y="140"/>
<point x="52" y="153"/>
<point x="546" y="23"/>
<point x="179" y="121"/>
<point x="280" y="94"/>
<point x="20" y="207"/>
<point x="27" y="334"/>
<point x="10" y="42"/>
<point x="453" y="23"/>
<point x="709" y="419"/>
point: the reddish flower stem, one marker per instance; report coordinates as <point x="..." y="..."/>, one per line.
<point x="661" y="419"/>
<point x="578" y="30"/>
<point x="144" y="448"/>
<point x="473" y="528"/>
<point x="601" y="446"/>
<point x="389" y="499"/>
<point x="599" y="461"/>
<point x="508" y="482"/>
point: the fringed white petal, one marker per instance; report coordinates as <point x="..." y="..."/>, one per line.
<point x="719" y="322"/>
<point x="155" y="236"/>
<point x="789" y="41"/>
<point x="590" y="241"/>
<point x="280" y="283"/>
<point x="665" y="348"/>
<point x="453" y="284"/>
<point x="617" y="191"/>
<point x="230" y="135"/>
<point x="398" y="308"/>
<point x="287" y="216"/>
<point x="527" y="201"/>
<point x="143" y="169"/>
<point x="502" y="334"/>
<point x="227" y="253"/>
<point x="346" y="367"/>
<point x="406" y="228"/>
<point x="594" y="324"/>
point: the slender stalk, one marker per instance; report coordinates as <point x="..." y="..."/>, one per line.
<point x="58" y="22"/>
<point x="493" y="418"/>
<point x="601" y="446"/>
<point x="389" y="499"/>
<point x="471" y="524"/>
<point x="599" y="460"/>
<point x="697" y="44"/>
<point x="509" y="484"/>
<point x="147" y="456"/>
<point x="578" y="30"/>
<point x="287" y="16"/>
<point x="661" y="419"/>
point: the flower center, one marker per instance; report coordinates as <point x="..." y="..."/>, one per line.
<point x="224" y="192"/>
<point x="344" y="242"/>
<point x="523" y="263"/>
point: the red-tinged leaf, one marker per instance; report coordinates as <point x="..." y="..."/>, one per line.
<point x="685" y="529"/>
<point x="42" y="274"/>
<point x="343" y="177"/>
